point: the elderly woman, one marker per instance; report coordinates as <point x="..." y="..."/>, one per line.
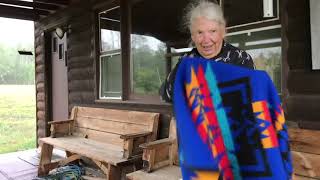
<point x="208" y="29"/>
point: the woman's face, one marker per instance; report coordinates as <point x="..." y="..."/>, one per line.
<point x="208" y="36"/>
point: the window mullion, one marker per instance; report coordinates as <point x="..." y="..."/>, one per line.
<point x="125" y="30"/>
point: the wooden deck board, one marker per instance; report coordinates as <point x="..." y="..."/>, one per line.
<point x="166" y="173"/>
<point x="303" y="140"/>
<point x="306" y="164"/>
<point x="13" y="168"/>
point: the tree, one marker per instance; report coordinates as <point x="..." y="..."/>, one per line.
<point x="148" y="65"/>
<point x="15" y="68"/>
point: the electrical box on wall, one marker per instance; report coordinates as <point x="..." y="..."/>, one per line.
<point x="315" y="29"/>
<point x="268" y="8"/>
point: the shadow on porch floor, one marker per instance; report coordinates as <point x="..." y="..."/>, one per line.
<point x="22" y="165"/>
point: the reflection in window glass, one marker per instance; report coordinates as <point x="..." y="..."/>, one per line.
<point x="174" y="61"/>
<point x="148" y="64"/>
<point x="111" y="76"/>
<point x="264" y="45"/>
<point x="269" y="60"/>
<point x="181" y="52"/>
<point x="110" y="40"/>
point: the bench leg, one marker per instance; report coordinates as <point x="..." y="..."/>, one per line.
<point x="45" y="158"/>
<point x="68" y="153"/>
<point x="114" y="172"/>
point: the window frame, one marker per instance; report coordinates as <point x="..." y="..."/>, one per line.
<point x="127" y="95"/>
<point x="106" y="54"/>
<point x="256" y="24"/>
<point x="262" y="28"/>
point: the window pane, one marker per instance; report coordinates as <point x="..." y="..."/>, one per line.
<point x="109" y="21"/>
<point x="111" y="76"/>
<point x="174" y="62"/>
<point x="264" y="45"/>
<point x="269" y="60"/>
<point x="181" y="52"/>
<point x="148" y="64"/>
<point x="110" y="40"/>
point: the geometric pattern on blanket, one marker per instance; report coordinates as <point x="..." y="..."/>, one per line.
<point x="238" y="121"/>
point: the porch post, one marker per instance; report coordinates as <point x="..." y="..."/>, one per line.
<point x="125" y="27"/>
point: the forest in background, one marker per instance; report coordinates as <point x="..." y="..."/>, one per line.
<point x="16" y="68"/>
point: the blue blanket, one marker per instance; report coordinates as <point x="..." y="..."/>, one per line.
<point x="230" y="123"/>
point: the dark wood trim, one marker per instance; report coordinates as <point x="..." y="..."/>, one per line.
<point x="96" y="55"/>
<point x="48" y="80"/>
<point x="24" y="10"/>
<point x="99" y="7"/>
<point x="308" y="64"/>
<point x="54" y="2"/>
<point x="35" y="5"/>
<point x="18" y="13"/>
<point x="125" y="27"/>
<point x="284" y="50"/>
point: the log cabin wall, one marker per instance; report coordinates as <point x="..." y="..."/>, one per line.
<point x="81" y="45"/>
<point x="303" y="88"/>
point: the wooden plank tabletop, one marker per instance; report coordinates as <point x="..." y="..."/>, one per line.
<point x="96" y="150"/>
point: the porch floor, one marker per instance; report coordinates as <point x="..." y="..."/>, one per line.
<point x="22" y="165"/>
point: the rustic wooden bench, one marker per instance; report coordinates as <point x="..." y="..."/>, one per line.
<point x="109" y="137"/>
<point x="161" y="159"/>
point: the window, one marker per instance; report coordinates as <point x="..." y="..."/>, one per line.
<point x="247" y="12"/>
<point x="110" y="55"/>
<point x="264" y="45"/>
<point x="111" y="76"/>
<point x="147" y="62"/>
<point x="176" y="54"/>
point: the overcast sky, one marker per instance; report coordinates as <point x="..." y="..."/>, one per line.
<point x="13" y="31"/>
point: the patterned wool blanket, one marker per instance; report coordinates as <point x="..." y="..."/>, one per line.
<point x="230" y="123"/>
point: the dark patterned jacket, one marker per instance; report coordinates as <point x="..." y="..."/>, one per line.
<point x="228" y="54"/>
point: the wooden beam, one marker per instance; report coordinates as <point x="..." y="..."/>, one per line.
<point x="35" y="5"/>
<point x="19" y="10"/>
<point x="125" y="27"/>
<point x="54" y="2"/>
<point x="18" y="13"/>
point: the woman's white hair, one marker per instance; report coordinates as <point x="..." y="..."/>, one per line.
<point x="204" y="8"/>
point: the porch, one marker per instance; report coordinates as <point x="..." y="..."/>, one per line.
<point x="305" y="151"/>
<point x="22" y="165"/>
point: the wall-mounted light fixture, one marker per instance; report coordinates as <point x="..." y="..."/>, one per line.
<point x="23" y="52"/>
<point x="60" y="31"/>
<point x="268" y="8"/>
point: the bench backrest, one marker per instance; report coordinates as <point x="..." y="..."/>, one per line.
<point x="107" y="125"/>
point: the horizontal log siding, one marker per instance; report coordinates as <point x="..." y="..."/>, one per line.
<point x="40" y="80"/>
<point x="302" y="97"/>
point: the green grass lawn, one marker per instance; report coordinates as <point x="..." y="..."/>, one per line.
<point x="17" y="118"/>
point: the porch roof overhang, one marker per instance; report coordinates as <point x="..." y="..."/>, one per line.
<point x="26" y="10"/>
<point x="160" y="19"/>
